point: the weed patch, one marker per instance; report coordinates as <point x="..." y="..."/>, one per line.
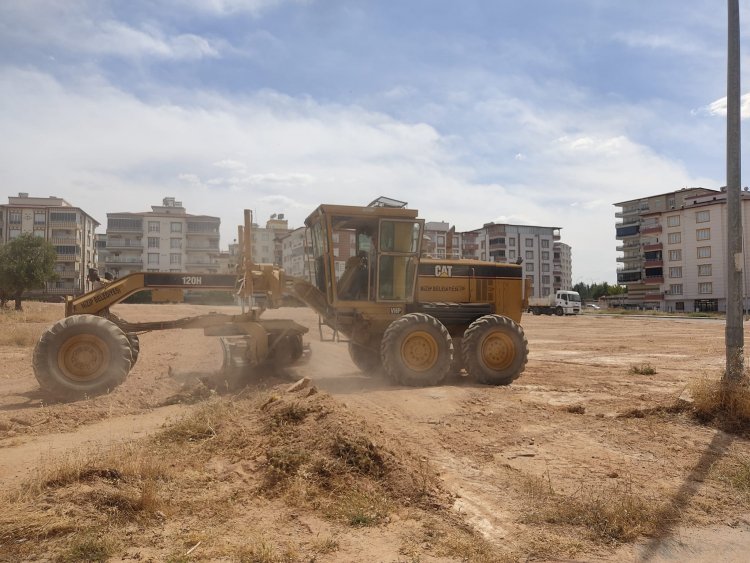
<point x="727" y="405"/>
<point x="642" y="369"/>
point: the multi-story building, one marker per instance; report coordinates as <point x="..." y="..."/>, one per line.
<point x="297" y="258"/>
<point x="165" y="239"/>
<point x="562" y="267"/>
<point x="644" y="237"/>
<point x="68" y="228"/>
<point x="532" y="245"/>
<point x="266" y="242"/>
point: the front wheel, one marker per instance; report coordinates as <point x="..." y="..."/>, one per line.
<point x="559" y="311"/>
<point x="365" y="358"/>
<point x="82" y="355"/>
<point x="495" y="350"/>
<point x="416" y="350"/>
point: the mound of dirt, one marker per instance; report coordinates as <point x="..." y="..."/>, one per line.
<point x="274" y="473"/>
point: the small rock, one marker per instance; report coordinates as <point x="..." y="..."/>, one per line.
<point x="160" y="514"/>
<point x="299" y="385"/>
<point x="312" y="391"/>
<point x="613" y="474"/>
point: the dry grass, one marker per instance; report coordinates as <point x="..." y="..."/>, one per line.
<point x="725" y="404"/>
<point x="642" y="369"/>
<point x="21" y="335"/>
<point x="616" y="513"/>
<point x="33" y="312"/>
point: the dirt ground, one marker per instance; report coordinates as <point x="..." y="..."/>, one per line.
<point x="578" y="426"/>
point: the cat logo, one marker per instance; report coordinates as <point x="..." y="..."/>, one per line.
<point x="443" y="271"/>
<point x="395" y="310"/>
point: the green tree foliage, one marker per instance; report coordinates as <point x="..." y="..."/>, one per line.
<point x="592" y="292"/>
<point x="26" y="263"/>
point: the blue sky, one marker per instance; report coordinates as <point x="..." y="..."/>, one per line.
<point x="542" y="112"/>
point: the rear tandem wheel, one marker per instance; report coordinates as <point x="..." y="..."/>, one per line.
<point x="416" y="350"/>
<point x="495" y="350"/>
<point x="82" y="355"/>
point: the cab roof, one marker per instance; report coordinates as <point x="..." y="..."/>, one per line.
<point x="355" y="211"/>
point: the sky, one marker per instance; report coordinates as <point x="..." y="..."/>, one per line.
<point x="545" y="112"/>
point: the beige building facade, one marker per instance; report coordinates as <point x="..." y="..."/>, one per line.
<point x="70" y="229"/>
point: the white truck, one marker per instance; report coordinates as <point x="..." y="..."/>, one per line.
<point x="560" y="303"/>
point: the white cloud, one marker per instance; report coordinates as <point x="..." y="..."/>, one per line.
<point x="719" y="107"/>
<point x="229" y="7"/>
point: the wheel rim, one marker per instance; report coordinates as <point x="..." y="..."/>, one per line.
<point x="419" y="351"/>
<point x="498" y="351"/>
<point x="83" y="357"/>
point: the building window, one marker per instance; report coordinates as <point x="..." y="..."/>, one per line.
<point x="529" y="255"/>
<point x="545" y="291"/>
<point x="545" y="255"/>
<point x="674" y="238"/>
<point x="545" y="280"/>
<point x="704" y="269"/>
<point x="705" y="287"/>
<point x="14" y="233"/>
<point x="175" y="243"/>
<point x="512" y="254"/>
<point x="529" y="266"/>
<point x="153" y="242"/>
<point x="176" y="228"/>
<point x="545" y="267"/>
<point x="14" y="217"/>
<point x="704" y="252"/>
<point x="40" y="218"/>
<point x="675" y="272"/>
<point x="545" y="243"/>
<point x="511" y="242"/>
<point x="675" y="255"/>
<point x="175" y="258"/>
<point x="702" y="216"/>
<point x="39" y="233"/>
<point x="153" y="226"/>
<point x="153" y="257"/>
<point x="529" y="242"/>
<point x="675" y="289"/>
<point x="531" y="280"/>
<point x="673" y="221"/>
<point x="703" y="234"/>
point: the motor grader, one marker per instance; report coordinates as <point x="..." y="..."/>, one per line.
<point x="418" y="318"/>
<point x="91" y="350"/>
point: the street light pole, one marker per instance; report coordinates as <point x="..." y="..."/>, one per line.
<point x="734" y="330"/>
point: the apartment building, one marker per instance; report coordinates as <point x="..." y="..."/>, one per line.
<point x="267" y="241"/>
<point x="70" y="229"/>
<point x="646" y="235"/>
<point x="297" y="254"/>
<point x="533" y="245"/>
<point x="562" y="267"/>
<point x="165" y="239"/>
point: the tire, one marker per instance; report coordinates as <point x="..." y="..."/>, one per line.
<point x="559" y="311"/>
<point x="366" y="359"/>
<point x="82" y="355"/>
<point x="287" y="351"/>
<point x="495" y="350"/>
<point x="416" y="350"/>
<point x="135" y="347"/>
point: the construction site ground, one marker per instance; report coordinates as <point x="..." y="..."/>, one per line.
<point x="587" y="456"/>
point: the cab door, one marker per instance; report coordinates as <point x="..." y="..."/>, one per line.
<point x="398" y="248"/>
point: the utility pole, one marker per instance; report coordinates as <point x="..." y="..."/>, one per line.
<point x="734" y="330"/>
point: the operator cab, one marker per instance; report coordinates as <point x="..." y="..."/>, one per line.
<point x="364" y="253"/>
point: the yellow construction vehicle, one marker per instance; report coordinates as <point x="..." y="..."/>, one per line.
<point x="91" y="350"/>
<point x="415" y="317"/>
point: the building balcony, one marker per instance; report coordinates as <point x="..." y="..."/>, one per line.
<point x="653" y="264"/>
<point x="116" y="261"/>
<point x="64" y="241"/>
<point x="126" y="245"/>
<point x="653" y="280"/>
<point x="652" y="247"/>
<point x="653" y="297"/>
<point x="68" y="258"/>
<point x="630" y="258"/>
<point x="125" y="229"/>
<point x="67" y="274"/>
<point x="194" y="246"/>
<point x="202" y="264"/>
<point x="630" y="245"/>
<point x="64" y="225"/>
<point x="648" y="229"/>
<point x="629" y="276"/>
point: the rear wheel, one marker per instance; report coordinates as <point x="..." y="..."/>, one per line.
<point x="365" y="358"/>
<point x="416" y="350"/>
<point x="82" y="355"/>
<point x="135" y="347"/>
<point x="495" y="350"/>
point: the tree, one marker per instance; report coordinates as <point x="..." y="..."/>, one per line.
<point x="26" y="263"/>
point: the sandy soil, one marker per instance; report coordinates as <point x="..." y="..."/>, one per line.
<point x="577" y="420"/>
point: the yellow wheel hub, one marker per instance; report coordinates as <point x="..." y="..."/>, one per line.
<point x="83" y="357"/>
<point x="419" y="351"/>
<point x="498" y="351"/>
